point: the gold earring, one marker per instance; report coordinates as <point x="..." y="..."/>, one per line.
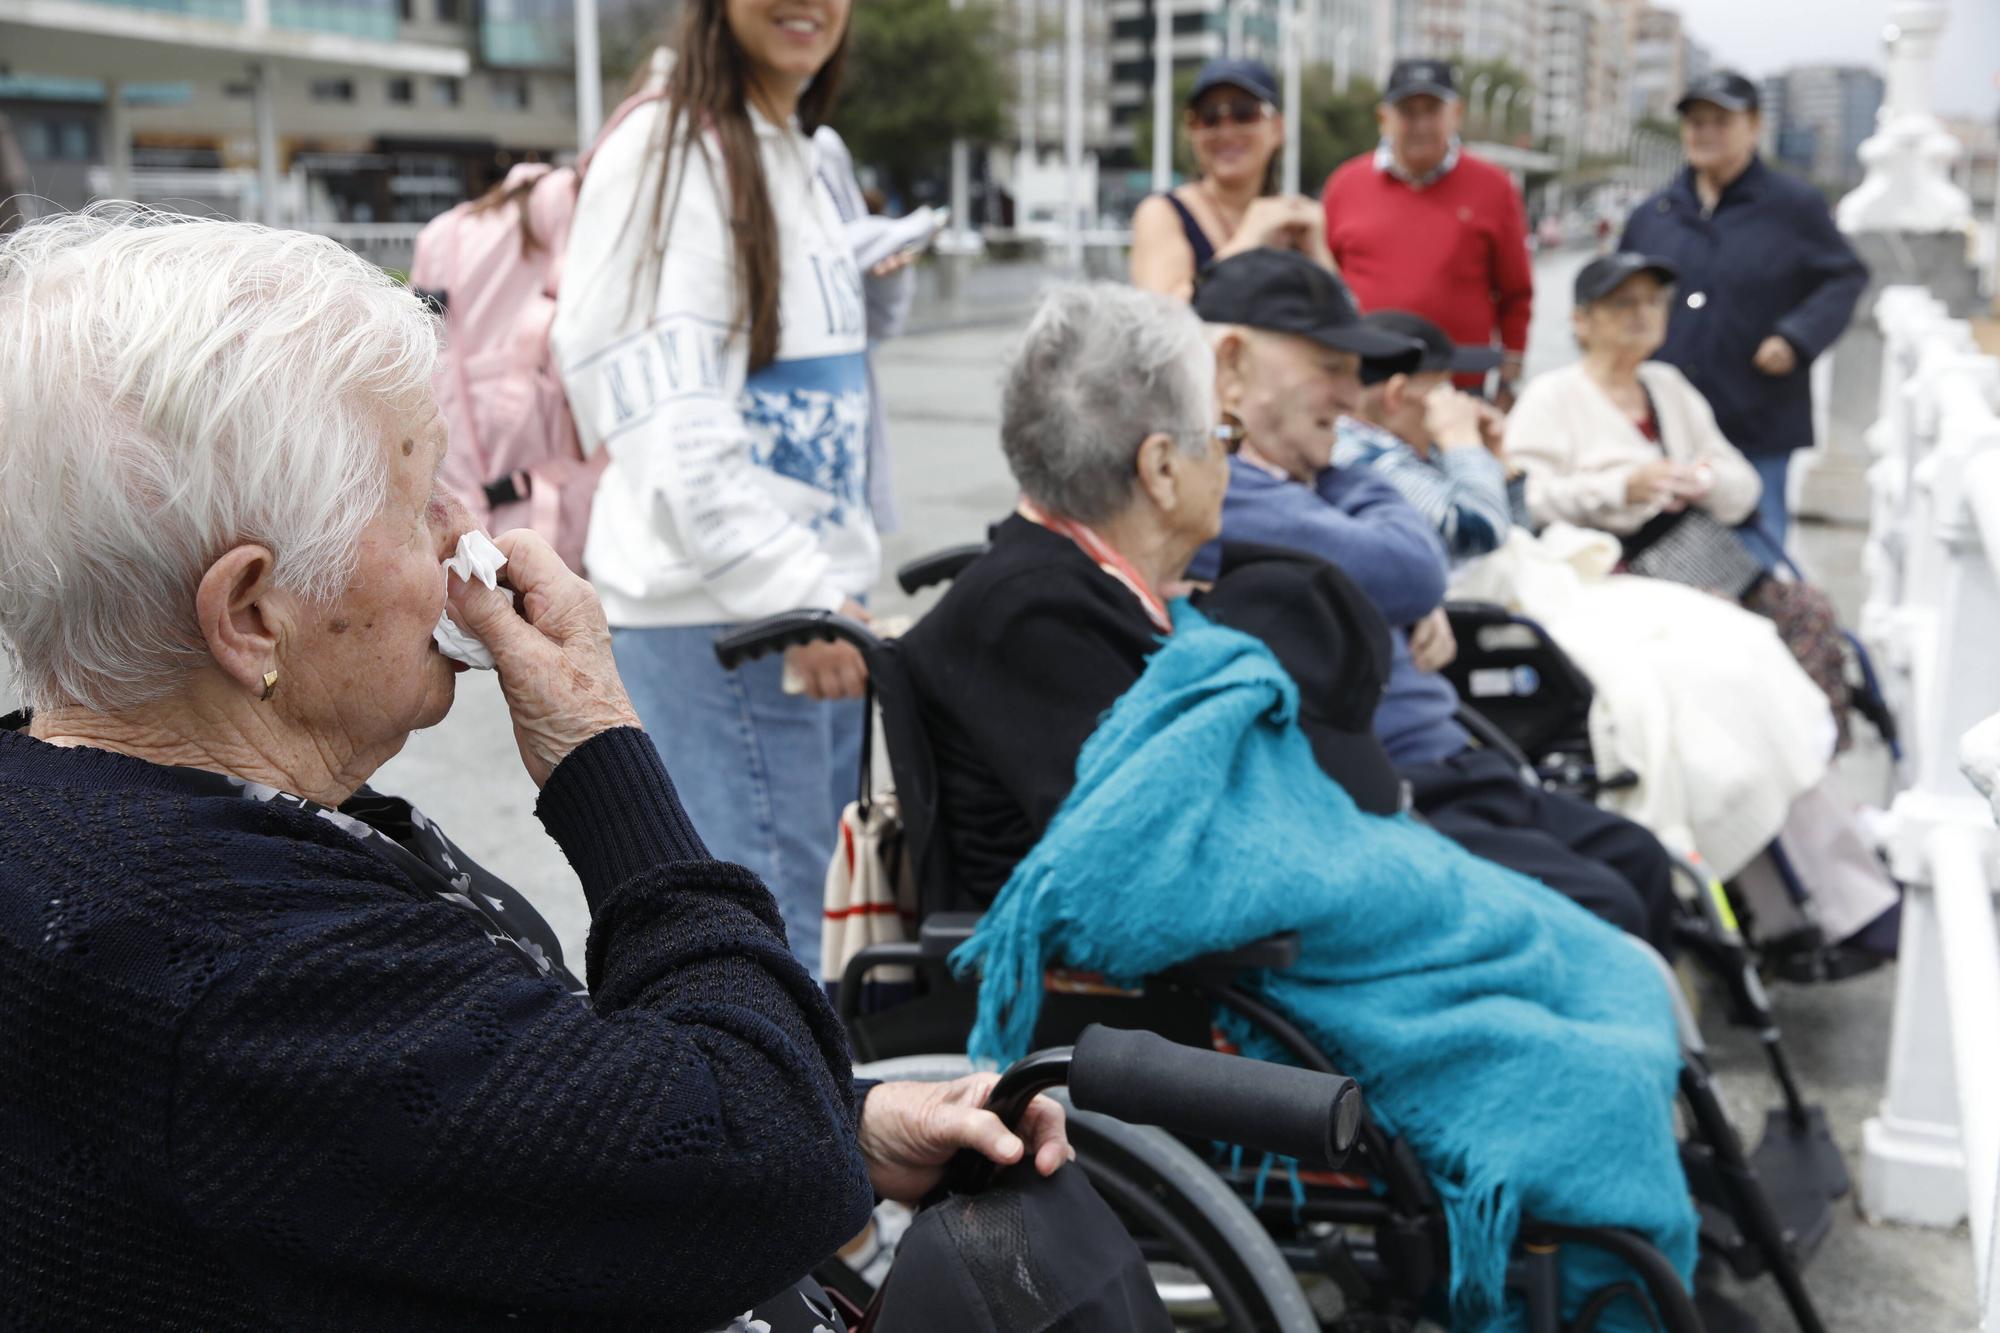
<point x="270" y="686"/>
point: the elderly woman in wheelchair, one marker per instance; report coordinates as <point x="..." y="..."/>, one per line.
<point x="1200" y="831"/>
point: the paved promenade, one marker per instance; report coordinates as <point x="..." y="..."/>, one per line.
<point x="941" y="388"/>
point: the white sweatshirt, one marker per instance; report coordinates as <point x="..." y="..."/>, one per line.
<point x="729" y="496"/>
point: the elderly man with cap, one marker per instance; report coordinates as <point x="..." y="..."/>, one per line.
<point x="1423" y="226"/>
<point x="1289" y="348"/>
<point x="1236" y="131"/>
<point x="1767" y="283"/>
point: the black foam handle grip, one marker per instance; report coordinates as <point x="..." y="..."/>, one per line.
<point x="1144" y="1079"/>
<point x="788" y="629"/>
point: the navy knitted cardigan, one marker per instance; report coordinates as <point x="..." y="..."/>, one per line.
<point x="253" y="1077"/>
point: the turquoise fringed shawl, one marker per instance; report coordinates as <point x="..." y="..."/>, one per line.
<point x="1525" y="1049"/>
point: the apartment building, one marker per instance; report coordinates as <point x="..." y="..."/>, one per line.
<point x="323" y="110"/>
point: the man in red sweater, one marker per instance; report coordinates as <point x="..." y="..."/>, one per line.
<point x="1421" y="225"/>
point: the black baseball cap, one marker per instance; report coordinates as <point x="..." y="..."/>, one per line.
<point x="1332" y="642"/>
<point x="1284" y="292"/>
<point x="1252" y="76"/>
<point x="1601" y="276"/>
<point x="1439" y="351"/>
<point x="1724" y="88"/>
<point x="1421" y="78"/>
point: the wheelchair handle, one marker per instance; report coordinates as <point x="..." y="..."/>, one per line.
<point x="1143" y="1078"/>
<point x="788" y="629"/>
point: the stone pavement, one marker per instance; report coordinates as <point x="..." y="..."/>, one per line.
<point x="942" y="392"/>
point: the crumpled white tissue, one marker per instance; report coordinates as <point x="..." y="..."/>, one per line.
<point x="477" y="558"/>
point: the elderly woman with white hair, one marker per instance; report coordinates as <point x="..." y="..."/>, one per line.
<point x="1108" y="423"/>
<point x="277" y="1053"/>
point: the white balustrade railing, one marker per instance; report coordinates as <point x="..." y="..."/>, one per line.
<point x="1931" y="1155"/>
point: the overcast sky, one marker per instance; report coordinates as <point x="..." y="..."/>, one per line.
<point x="1761" y="36"/>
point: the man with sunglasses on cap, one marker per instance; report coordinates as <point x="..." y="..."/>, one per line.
<point x="1290" y="347"/>
<point x="1423" y="226"/>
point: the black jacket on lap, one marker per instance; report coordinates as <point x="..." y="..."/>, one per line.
<point x="252" y="1077"/>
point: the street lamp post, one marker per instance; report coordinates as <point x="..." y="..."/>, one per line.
<point x="1288" y="35"/>
<point x="964" y="237"/>
<point x="589" y="75"/>
<point x="1163" y="96"/>
<point x="1073" y="130"/>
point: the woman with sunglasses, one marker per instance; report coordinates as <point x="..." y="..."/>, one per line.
<point x="1233" y="123"/>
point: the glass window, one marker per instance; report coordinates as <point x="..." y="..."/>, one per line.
<point x="37" y="143"/>
<point x="447" y="11"/>
<point x="332" y="90"/>
<point x="444" y="91"/>
<point x="73" y="142"/>
<point x="510" y="92"/>
<point x="402" y="92"/>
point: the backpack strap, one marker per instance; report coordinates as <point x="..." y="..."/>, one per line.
<point x="643" y="97"/>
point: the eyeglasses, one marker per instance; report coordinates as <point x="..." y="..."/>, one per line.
<point x="1236" y="110"/>
<point x="1230" y="432"/>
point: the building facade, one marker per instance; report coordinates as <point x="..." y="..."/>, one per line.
<point x="300" y="111"/>
<point x="1815" y="117"/>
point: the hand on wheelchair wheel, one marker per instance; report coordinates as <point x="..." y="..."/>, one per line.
<point x="910" y="1130"/>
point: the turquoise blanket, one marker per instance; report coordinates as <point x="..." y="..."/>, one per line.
<point x="1525" y="1049"/>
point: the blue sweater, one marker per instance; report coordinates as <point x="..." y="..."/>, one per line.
<point x="1356" y="520"/>
<point x="253" y="1077"/>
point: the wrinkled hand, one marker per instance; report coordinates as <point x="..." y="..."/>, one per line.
<point x="553" y="654"/>
<point x="1670" y="485"/>
<point x="910" y="1130"/>
<point x="831" y="670"/>
<point x="1775" y="356"/>
<point x="1432" y="644"/>
<point x="1452" y="417"/>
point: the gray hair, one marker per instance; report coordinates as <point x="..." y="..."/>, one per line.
<point x="1100" y="368"/>
<point x="169" y="388"/>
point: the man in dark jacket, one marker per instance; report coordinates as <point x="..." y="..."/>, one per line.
<point x="1767" y="281"/>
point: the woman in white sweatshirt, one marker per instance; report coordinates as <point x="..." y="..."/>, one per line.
<point x="712" y="335"/>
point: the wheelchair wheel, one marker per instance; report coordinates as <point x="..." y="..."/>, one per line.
<point x="1213" y="1263"/>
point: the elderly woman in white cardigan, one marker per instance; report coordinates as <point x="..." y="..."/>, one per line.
<point x="1630" y="446"/>
<point x="1616" y="440"/>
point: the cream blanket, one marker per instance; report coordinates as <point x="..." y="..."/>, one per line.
<point x="1694" y="694"/>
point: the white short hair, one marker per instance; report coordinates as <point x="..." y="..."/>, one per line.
<point x="170" y="388"/>
<point x="1101" y="367"/>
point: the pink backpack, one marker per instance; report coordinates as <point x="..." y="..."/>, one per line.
<point x="514" y="458"/>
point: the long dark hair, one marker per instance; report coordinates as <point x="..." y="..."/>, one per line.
<point x="708" y="91"/>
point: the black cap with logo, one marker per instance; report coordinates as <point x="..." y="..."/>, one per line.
<point x="1284" y="292"/>
<point x="1602" y="276"/>
<point x="1252" y="76"/>
<point x="1421" y="78"/>
<point x="1439" y="353"/>
<point x="1724" y="88"/>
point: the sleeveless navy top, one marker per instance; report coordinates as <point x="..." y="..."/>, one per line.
<point x="1197" y="239"/>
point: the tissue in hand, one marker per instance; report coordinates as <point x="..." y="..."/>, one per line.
<point x="477" y="558"/>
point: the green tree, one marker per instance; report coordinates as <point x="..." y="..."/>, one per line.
<point x="919" y="74"/>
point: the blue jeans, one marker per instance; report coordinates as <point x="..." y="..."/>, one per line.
<point x="763" y="774"/>
<point x="1768" y="545"/>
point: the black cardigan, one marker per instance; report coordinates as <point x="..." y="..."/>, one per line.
<point x="252" y="1077"/>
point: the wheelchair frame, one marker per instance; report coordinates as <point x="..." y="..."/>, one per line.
<point x="1410" y="1254"/>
